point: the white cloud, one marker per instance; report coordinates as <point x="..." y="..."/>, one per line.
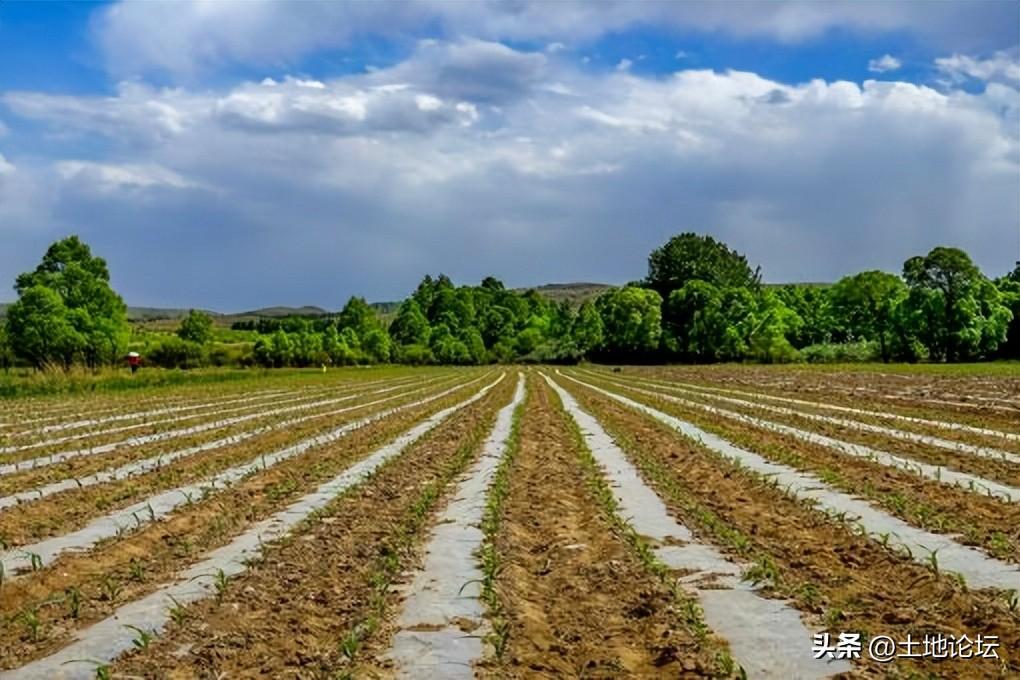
<point x="472" y="158"/>
<point x="624" y="65"/>
<point x="6" y="167"/>
<point x="884" y="64"/>
<point x="554" y="47"/>
<point x="186" y="37"/>
<point x="680" y="54"/>
<point x="1003" y="66"/>
<point x="109" y="177"/>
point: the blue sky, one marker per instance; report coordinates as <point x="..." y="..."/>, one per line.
<point x="233" y="155"/>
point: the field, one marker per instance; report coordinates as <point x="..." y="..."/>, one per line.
<point x="512" y="522"/>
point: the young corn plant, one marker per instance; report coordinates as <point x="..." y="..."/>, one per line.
<point x="143" y="638"/>
<point x="597" y="484"/>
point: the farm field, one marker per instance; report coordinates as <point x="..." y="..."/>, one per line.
<point x="512" y="522"/>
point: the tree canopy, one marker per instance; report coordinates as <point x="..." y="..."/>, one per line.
<point x="67" y="311"/>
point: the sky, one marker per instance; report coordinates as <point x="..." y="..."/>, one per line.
<point x="233" y="155"/>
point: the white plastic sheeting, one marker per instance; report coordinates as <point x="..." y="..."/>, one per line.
<point x="442" y="623"/>
<point x="107" y="639"/>
<point x="54" y="458"/>
<point x="165" y="503"/>
<point x="766" y="636"/>
<point x="937" y="473"/>
<point x="978" y="569"/>
<point x="158" y="461"/>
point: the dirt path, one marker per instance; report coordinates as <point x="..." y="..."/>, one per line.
<point x="578" y="602"/>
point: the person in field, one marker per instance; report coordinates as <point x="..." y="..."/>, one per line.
<point x="134" y="361"/>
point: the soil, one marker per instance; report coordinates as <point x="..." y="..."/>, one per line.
<point x="72" y="509"/>
<point x="579" y="603"/>
<point x="286" y="616"/>
<point x="991" y="523"/>
<point x="141" y="560"/>
<point x="842" y="581"/>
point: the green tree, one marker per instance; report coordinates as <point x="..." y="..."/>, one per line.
<point x="196" y="327"/>
<point x="359" y="316"/>
<point x="953" y="309"/>
<point x="865" y="307"/>
<point x="6" y="351"/>
<point x="692" y="257"/>
<point x="40" y="329"/>
<point x="698" y="325"/>
<point x="631" y="318"/>
<point x="1009" y="289"/>
<point x="97" y="315"/>
<point x="377" y="345"/>
<point x="588" y="331"/>
<point x="410" y="327"/>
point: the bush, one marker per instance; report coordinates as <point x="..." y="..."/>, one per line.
<point x="173" y="352"/>
<point x="840" y="353"/>
<point x="416" y="355"/>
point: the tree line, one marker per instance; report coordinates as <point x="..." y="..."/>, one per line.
<point x="701" y="302"/>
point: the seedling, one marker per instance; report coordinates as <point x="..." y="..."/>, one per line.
<point x="177" y="611"/>
<point x="73" y="599"/>
<point x="142" y="638"/>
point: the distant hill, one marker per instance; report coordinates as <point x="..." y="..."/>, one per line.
<point x="274" y="312"/>
<point x="574" y="293"/>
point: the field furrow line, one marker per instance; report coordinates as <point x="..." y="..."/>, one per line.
<point x="275" y="400"/>
<point x="54" y="458"/>
<point x="766" y="636"/>
<point x="443" y="601"/>
<point x="99" y="415"/>
<point x="927" y="422"/>
<point x="104" y="641"/>
<point x="154" y="508"/>
<point x="927" y="440"/>
<point x="161" y="460"/>
<point x="251" y="397"/>
<point x="977" y="568"/>
<point x="937" y="473"/>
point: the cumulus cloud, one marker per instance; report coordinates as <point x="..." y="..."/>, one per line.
<point x="884" y="64"/>
<point x="474" y="158"/>
<point x="186" y="37"/>
<point x="6" y="167"/>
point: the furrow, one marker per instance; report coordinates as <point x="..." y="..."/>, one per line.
<point x="53" y="459"/>
<point x="161" y="460"/>
<point x="934" y="472"/>
<point x="161" y="505"/>
<point x="443" y="600"/>
<point x="766" y="636"/>
<point x="978" y="569"/>
<point x="107" y="639"/>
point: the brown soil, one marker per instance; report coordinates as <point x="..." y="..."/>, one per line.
<point x="578" y="602"/>
<point x="847" y="582"/>
<point x="982" y="401"/>
<point x="286" y="615"/>
<point x="990" y="441"/>
<point x="72" y="509"/>
<point x="988" y="468"/>
<point x="88" y="464"/>
<point x="991" y="523"/>
<point x="142" y="560"/>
